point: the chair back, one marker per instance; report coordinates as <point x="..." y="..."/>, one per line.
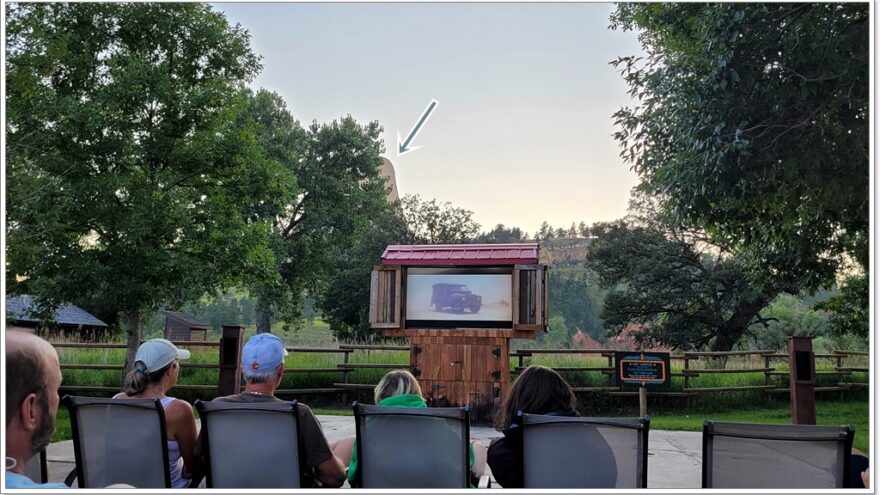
<point x="37" y="468"/>
<point x="738" y="455"/>
<point x="251" y="445"/>
<point x="401" y="447"/>
<point x="119" y="441"/>
<point x="575" y="452"/>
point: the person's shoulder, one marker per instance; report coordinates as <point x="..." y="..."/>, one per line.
<point x="178" y="407"/>
<point x="15" y="480"/>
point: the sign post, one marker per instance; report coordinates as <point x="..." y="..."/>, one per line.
<point x="642" y="369"/>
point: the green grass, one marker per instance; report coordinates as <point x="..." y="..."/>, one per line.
<point x="855" y="414"/>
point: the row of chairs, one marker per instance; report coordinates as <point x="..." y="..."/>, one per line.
<point x="249" y="446"/>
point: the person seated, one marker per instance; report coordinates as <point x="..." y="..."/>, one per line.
<point x="156" y="369"/>
<point x="537" y="390"/>
<point x="399" y="388"/>
<point x="33" y="377"/>
<point x="859" y="473"/>
<point x="262" y="365"/>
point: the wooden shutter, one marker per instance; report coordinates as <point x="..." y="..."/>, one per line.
<point x="385" y="296"/>
<point x="530" y="297"/>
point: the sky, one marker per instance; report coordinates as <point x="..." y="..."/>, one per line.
<point x="522" y="132"/>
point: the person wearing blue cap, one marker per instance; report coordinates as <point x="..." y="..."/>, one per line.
<point x="262" y="365"/>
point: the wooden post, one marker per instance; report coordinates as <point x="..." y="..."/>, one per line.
<point x="612" y="380"/>
<point x="801" y="380"/>
<point x="345" y="375"/>
<point x="643" y="401"/>
<point x="229" y="381"/>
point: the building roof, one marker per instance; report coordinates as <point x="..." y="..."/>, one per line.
<point x="461" y="254"/>
<point x="20" y="307"/>
<point x="188" y="319"/>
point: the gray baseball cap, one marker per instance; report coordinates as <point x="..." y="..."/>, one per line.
<point x="159" y="353"/>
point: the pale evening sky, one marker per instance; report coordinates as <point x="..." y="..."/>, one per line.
<point x="522" y="132"/>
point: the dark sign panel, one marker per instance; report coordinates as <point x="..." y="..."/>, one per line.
<point x="637" y="369"/>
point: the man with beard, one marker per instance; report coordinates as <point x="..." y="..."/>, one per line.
<point x="33" y="376"/>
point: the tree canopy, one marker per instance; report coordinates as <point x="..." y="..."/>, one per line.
<point x="752" y="123"/>
<point x="683" y="291"/>
<point x="128" y="175"/>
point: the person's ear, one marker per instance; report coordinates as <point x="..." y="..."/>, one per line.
<point x="30" y="412"/>
<point x="280" y="375"/>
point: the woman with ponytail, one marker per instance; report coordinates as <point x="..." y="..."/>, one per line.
<point x="155" y="371"/>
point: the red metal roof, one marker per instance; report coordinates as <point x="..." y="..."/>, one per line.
<point x="461" y="254"/>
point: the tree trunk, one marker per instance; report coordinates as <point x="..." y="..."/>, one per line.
<point x="135" y="333"/>
<point x="264" y="316"/>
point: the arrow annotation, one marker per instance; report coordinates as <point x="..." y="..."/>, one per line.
<point x="403" y="146"/>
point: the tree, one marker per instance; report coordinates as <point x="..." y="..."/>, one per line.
<point x="686" y="292"/>
<point x="129" y="179"/>
<point x="545" y="231"/>
<point x="752" y="124"/>
<point x="501" y="234"/>
<point x="570" y="298"/>
<point x="430" y="222"/>
<point x="788" y="316"/>
<point x="338" y="193"/>
<point x="849" y="308"/>
<point x="344" y="295"/>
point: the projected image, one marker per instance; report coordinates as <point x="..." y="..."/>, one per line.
<point x="458" y="296"/>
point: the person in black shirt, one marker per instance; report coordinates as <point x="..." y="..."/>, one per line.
<point x="538" y="390"/>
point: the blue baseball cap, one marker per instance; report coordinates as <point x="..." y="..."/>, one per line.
<point x="262" y="353"/>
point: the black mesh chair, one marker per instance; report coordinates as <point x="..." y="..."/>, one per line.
<point x="251" y="445"/>
<point x="119" y="441"/>
<point x="401" y="447"/>
<point x="739" y="455"/>
<point x="575" y="452"/>
<point x="37" y="468"/>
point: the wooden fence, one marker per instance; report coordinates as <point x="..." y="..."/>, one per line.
<point x="689" y="372"/>
<point x="773" y="374"/>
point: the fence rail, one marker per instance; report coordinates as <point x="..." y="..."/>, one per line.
<point x="775" y="376"/>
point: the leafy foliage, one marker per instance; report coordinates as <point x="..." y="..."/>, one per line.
<point x="752" y="124"/>
<point x="501" y="234"/>
<point x="683" y="291"/>
<point x="344" y="298"/>
<point x="337" y="193"/>
<point x="788" y="316"/>
<point x="430" y="222"/>
<point x="129" y="172"/>
<point x="849" y="308"/>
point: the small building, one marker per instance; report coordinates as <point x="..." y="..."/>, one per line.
<point x="181" y="326"/>
<point x="69" y="320"/>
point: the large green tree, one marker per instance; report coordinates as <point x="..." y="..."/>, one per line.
<point x="682" y="290"/>
<point x="133" y="174"/>
<point x="752" y="124"/>
<point x="344" y="294"/>
<point x="338" y="194"/>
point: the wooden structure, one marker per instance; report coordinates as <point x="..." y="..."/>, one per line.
<point x="802" y="380"/>
<point x="181" y="326"/>
<point x="22" y="313"/>
<point x="460" y="356"/>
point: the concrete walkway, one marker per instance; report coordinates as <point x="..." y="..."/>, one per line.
<point x="674" y="457"/>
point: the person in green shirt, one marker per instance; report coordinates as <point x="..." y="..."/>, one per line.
<point x="399" y="388"/>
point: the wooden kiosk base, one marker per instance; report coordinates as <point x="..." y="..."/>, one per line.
<point x="462" y="366"/>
